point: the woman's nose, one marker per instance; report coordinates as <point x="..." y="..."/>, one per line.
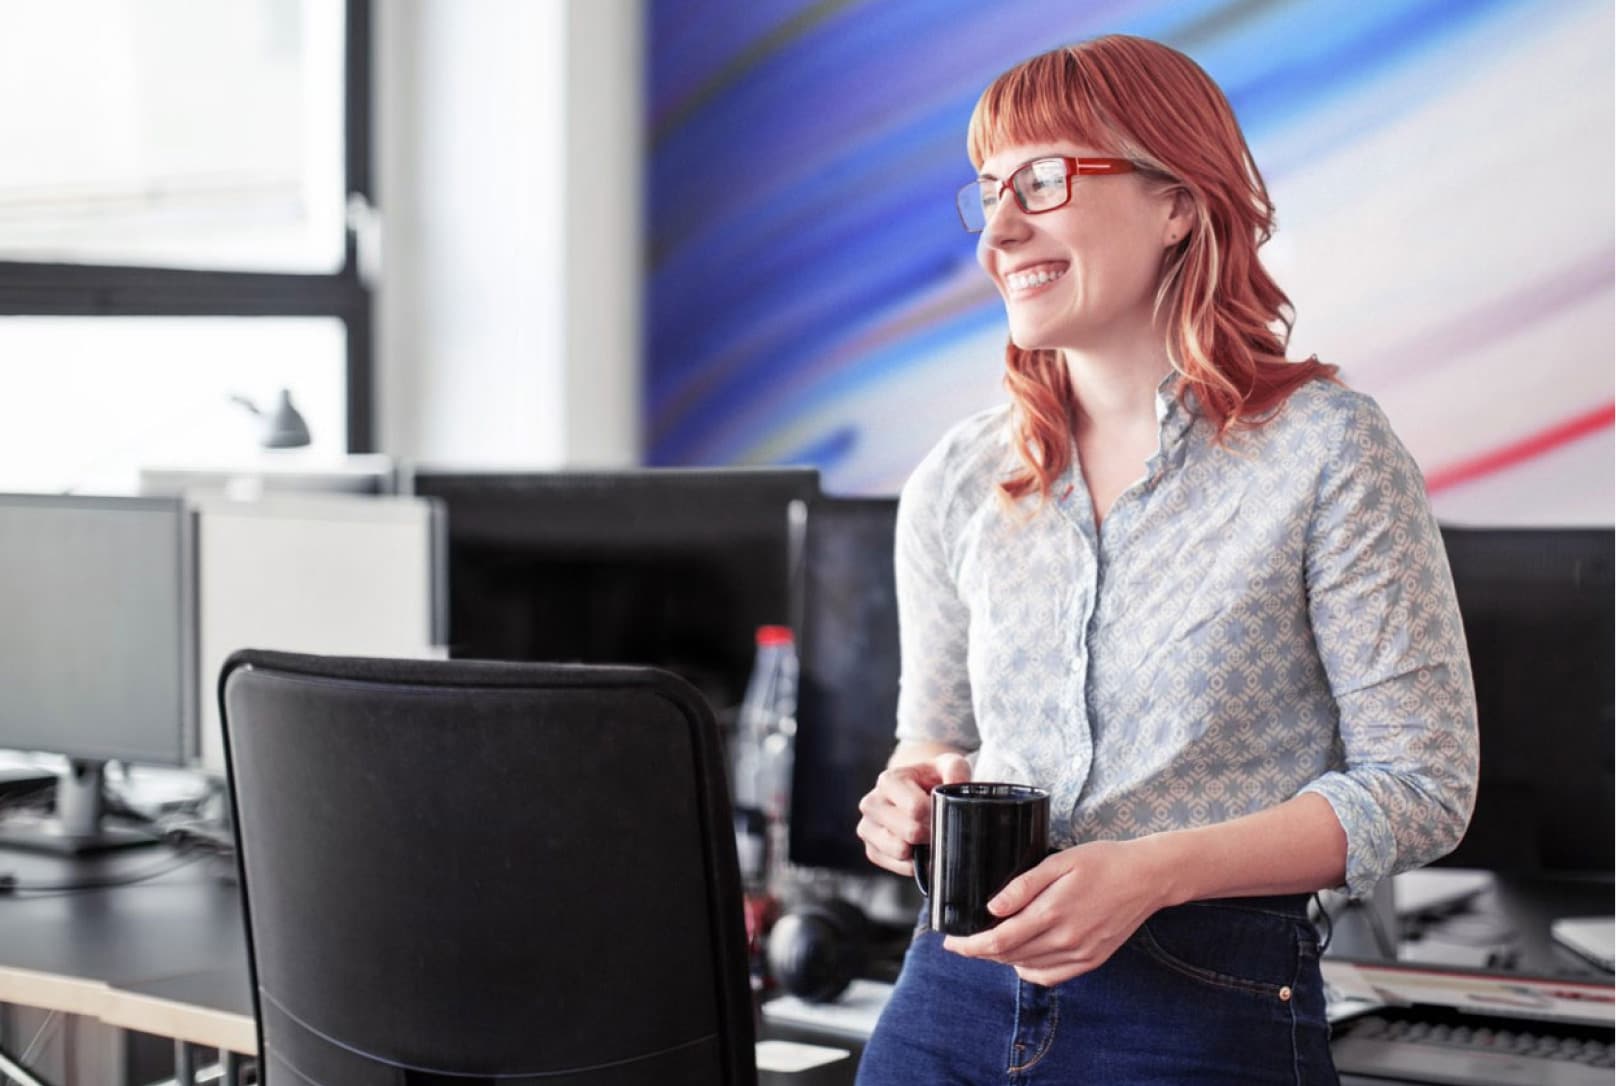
<point x="1005" y="226"/>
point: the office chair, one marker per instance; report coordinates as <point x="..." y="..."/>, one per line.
<point x="464" y="872"/>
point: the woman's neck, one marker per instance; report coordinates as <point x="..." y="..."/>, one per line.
<point x="1117" y="389"/>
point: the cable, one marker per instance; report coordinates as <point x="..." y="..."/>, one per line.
<point x="206" y="834"/>
<point x="10" y="885"/>
<point x="51" y="1019"/>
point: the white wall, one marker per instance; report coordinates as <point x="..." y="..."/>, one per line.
<point x="509" y="162"/>
<point x="605" y="239"/>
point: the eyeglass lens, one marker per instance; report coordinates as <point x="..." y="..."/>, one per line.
<point x="1040" y="185"/>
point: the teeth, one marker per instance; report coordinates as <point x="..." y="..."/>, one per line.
<point x="1026" y="280"/>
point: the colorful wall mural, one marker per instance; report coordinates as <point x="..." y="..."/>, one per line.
<point x="1442" y="170"/>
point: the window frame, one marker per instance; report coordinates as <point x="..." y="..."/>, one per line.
<point x="110" y="290"/>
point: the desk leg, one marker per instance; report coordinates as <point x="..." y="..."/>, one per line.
<point x="235" y="1068"/>
<point x="15" y="1072"/>
<point x="184" y="1064"/>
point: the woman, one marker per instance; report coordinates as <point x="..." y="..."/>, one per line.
<point x="1192" y="589"/>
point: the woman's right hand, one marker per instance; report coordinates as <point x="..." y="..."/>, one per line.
<point x="897" y="811"/>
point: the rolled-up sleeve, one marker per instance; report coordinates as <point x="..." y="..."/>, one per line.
<point x="1387" y="626"/>
<point x="934" y="689"/>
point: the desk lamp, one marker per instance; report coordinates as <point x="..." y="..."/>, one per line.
<point x="284" y="427"/>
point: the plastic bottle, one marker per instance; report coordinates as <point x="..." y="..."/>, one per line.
<point x="761" y="755"/>
<point x="765" y="729"/>
<point x="779" y="746"/>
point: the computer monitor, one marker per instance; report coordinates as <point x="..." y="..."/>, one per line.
<point x="670" y="567"/>
<point x="97" y="649"/>
<point x="1538" y="616"/>
<point x="332" y="574"/>
<point x="847" y="686"/>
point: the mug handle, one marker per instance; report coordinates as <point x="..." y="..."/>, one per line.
<point x="920" y="859"/>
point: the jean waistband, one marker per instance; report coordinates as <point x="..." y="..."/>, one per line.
<point x="1294" y="905"/>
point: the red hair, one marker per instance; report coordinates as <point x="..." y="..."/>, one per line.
<point x="1141" y="100"/>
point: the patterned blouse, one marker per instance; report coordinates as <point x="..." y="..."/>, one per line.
<point x="1252" y="621"/>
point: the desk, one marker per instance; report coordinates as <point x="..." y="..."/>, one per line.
<point x="166" y="957"/>
<point x="1521" y="905"/>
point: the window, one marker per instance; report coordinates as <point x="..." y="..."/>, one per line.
<point x="182" y="210"/>
<point x="91" y="400"/>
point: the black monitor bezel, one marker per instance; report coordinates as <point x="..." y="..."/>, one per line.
<point x="637" y="516"/>
<point x="818" y="782"/>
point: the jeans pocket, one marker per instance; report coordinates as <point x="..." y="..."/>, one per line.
<point x="922" y="924"/>
<point x="1227" y="947"/>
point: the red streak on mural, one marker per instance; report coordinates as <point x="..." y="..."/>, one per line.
<point x="1518" y="452"/>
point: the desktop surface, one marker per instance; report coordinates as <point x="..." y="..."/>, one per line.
<point x="185" y="918"/>
<point x="1511" y="915"/>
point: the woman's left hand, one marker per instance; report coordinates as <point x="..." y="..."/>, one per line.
<point x="1069" y="914"/>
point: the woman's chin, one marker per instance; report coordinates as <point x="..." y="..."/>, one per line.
<point x="1034" y="339"/>
<point x="1051" y="333"/>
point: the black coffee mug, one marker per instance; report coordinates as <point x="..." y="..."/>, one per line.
<point x="983" y="834"/>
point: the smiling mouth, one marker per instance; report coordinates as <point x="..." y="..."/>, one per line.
<point x="1026" y="282"/>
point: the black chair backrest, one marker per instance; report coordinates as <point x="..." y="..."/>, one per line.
<point x="454" y="870"/>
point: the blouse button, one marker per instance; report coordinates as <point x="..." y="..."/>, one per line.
<point x="1285" y="994"/>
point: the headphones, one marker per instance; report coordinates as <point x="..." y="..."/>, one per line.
<point x="815" y="950"/>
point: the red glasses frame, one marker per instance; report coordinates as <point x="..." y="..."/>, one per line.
<point x="1075" y="167"/>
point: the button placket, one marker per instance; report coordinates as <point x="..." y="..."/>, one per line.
<point x="1079" y="749"/>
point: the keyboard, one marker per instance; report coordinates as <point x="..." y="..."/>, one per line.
<point x="1441" y="1051"/>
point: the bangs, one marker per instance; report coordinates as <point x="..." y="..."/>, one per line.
<point x="1046" y="99"/>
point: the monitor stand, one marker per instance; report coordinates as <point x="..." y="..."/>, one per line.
<point x="77" y="828"/>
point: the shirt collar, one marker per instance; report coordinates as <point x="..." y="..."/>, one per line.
<point x="1167" y="395"/>
<point x="1173" y="416"/>
<point x="1168" y="403"/>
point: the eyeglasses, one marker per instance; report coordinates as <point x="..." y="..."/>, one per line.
<point x="1041" y="185"/>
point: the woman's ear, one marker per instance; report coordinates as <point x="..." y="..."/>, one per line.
<point x="1181" y="219"/>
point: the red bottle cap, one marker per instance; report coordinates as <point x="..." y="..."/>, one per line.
<point x="773" y="635"/>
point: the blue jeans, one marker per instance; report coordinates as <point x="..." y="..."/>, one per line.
<point x="1223" y="992"/>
